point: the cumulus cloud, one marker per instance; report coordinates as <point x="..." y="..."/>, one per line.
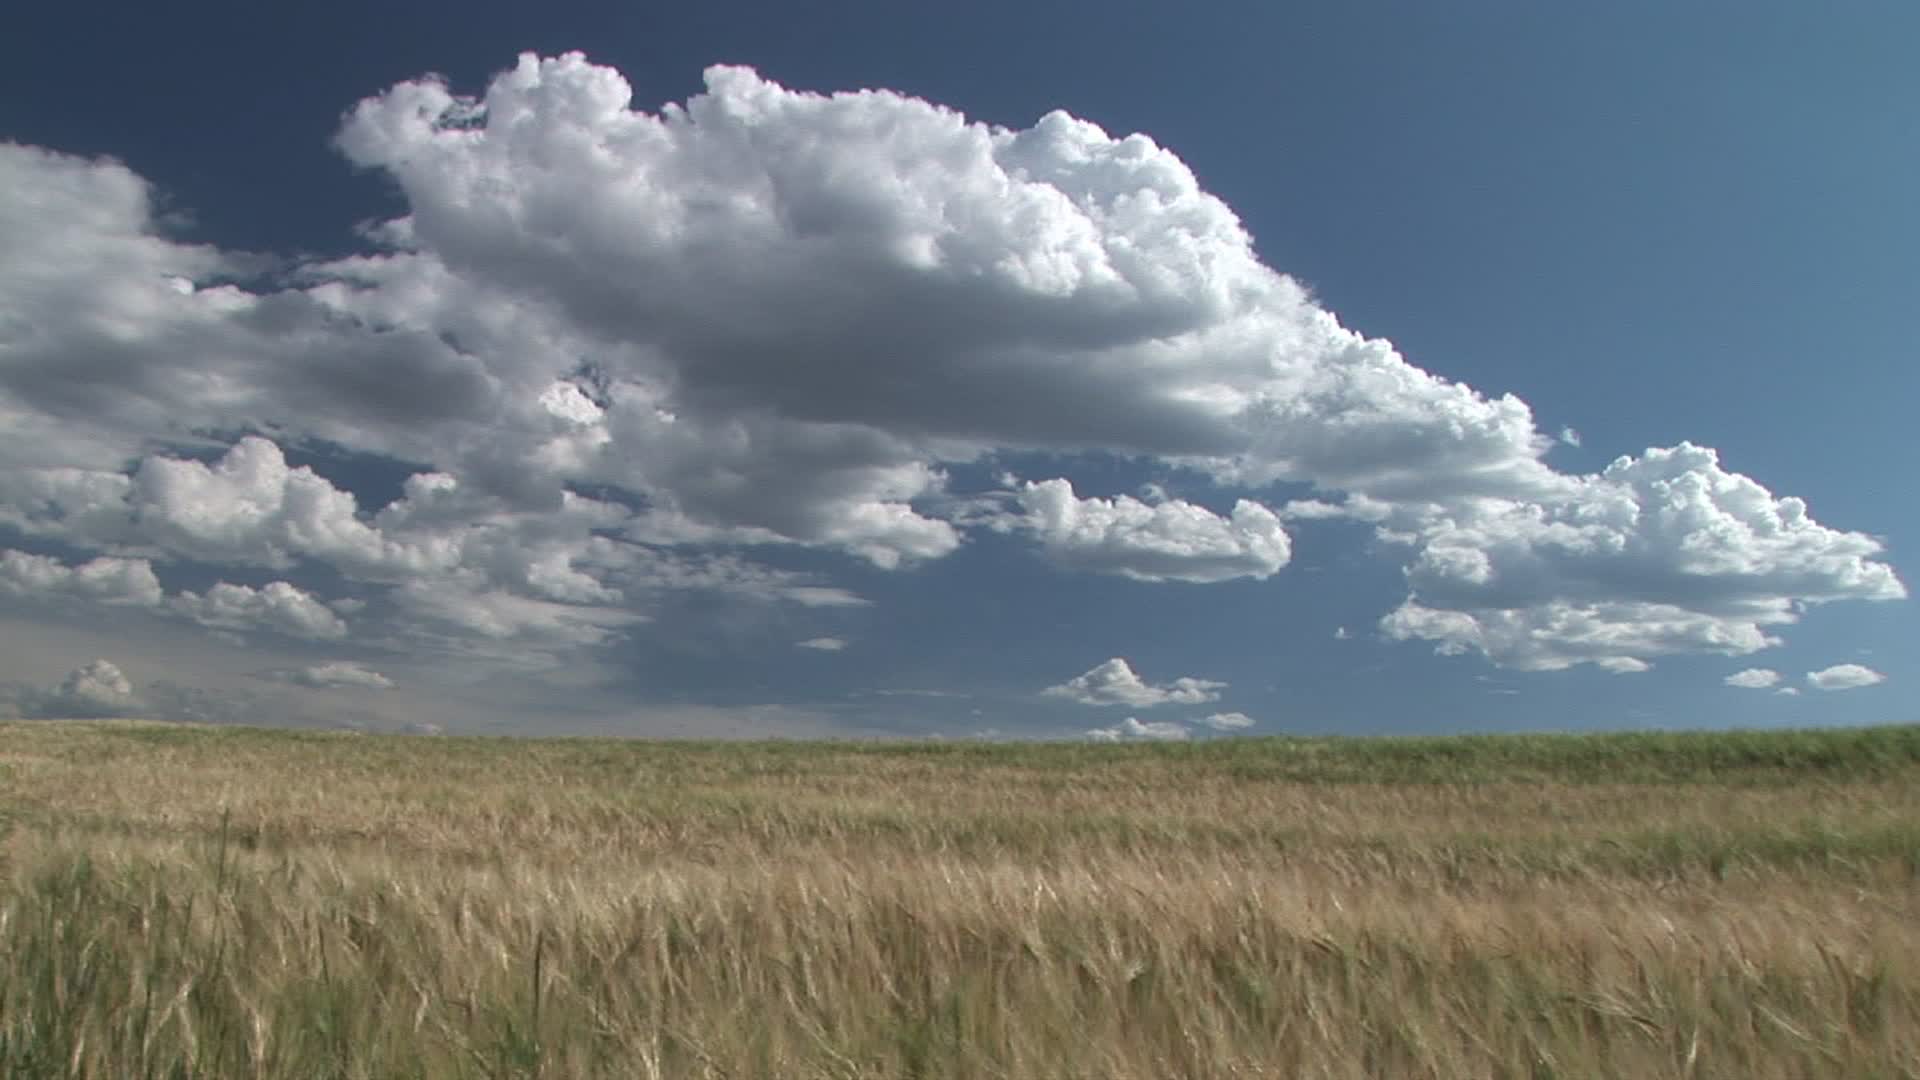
<point x="1753" y="678"/>
<point x="1227" y="721"/>
<point x="94" y="690"/>
<point x="276" y="606"/>
<point x="250" y="507"/>
<point x="1844" y="677"/>
<point x="822" y="644"/>
<point x="765" y="317"/>
<point x="1053" y="287"/>
<point x="1557" y="635"/>
<point x="1115" y="683"/>
<point x="1134" y="729"/>
<point x="1660" y="554"/>
<point x="1170" y="540"/>
<point x="339" y="674"/>
<point x="106" y="580"/>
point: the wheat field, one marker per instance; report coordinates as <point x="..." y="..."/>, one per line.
<point x="218" y="902"/>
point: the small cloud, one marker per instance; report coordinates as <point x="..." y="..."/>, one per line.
<point x="822" y="644"/>
<point x="337" y="674"/>
<point x="93" y="691"/>
<point x="1354" y="507"/>
<point x="1570" y="436"/>
<point x="1133" y="729"/>
<point x="910" y="692"/>
<point x="1844" y="677"/>
<point x="1114" y="683"/>
<point x="1787" y="691"/>
<point x="1757" y="678"/>
<point x="276" y="606"/>
<point x="112" y="581"/>
<point x="1228" y="721"/>
<point x="819" y="596"/>
<point x="1623" y="665"/>
<point x="1341" y="633"/>
<point x="1154" y="541"/>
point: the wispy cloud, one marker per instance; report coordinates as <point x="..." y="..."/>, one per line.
<point x="337" y="674"/>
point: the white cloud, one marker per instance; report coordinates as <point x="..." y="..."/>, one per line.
<point x="1171" y="540"/>
<point x="1228" y="721"/>
<point x="106" y="580"/>
<point x="118" y="336"/>
<point x="94" y="690"/>
<point x="466" y="603"/>
<point x="822" y="644"/>
<point x="819" y="596"/>
<point x="916" y="692"/>
<point x="766" y="317"/>
<point x="339" y="674"/>
<point x="1133" y="729"/>
<point x="1557" y="635"/>
<point x="1354" y="507"/>
<point x="1114" y="683"/>
<point x="1570" y="437"/>
<point x="1844" y="677"/>
<point x="277" y="606"/>
<point x="251" y="507"/>
<point x="1665" y="553"/>
<point x="1788" y="691"/>
<point x="1341" y="633"/>
<point x="1054" y="287"/>
<point x="1753" y="678"/>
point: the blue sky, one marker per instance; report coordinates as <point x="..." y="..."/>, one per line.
<point x="909" y="413"/>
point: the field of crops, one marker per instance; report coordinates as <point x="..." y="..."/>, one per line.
<point x="214" y="902"/>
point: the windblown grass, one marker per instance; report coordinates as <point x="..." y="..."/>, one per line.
<point x="180" y="902"/>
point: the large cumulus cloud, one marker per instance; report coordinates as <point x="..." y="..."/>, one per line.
<point x="872" y="259"/>
<point x="608" y="339"/>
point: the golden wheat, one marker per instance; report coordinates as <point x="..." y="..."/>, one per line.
<point x="206" y="902"/>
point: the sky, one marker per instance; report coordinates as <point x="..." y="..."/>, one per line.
<point x="1038" y="370"/>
